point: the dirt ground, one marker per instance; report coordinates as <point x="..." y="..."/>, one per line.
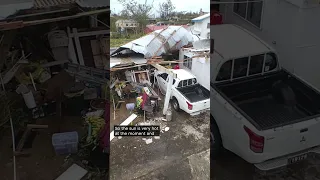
<point x="180" y="153"/>
<point x="230" y="167"/>
<point x="42" y="162"/>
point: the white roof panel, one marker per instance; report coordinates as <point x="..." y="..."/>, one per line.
<point x="200" y="18"/>
<point x="183" y="74"/>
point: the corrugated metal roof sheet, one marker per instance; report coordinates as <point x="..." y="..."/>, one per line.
<point x="50" y="3"/>
<point x="114" y="61"/>
<point x="10" y="7"/>
<point x="200" y="18"/>
<point x="159" y="42"/>
<point x="93" y="3"/>
<point x="155" y="27"/>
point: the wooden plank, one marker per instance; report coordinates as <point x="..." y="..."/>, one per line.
<point x="78" y="46"/>
<point x="50" y="20"/>
<point x="53" y="63"/>
<point x="168" y="95"/>
<point x="91" y="33"/>
<point x="11" y="25"/>
<point x="37" y="126"/>
<point x="71" y="50"/>
<point x="26" y="133"/>
<point x="23" y="139"/>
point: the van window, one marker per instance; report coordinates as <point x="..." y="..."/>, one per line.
<point x="240" y="67"/>
<point x="225" y="71"/>
<point x="256" y="64"/>
<point x="271" y="62"/>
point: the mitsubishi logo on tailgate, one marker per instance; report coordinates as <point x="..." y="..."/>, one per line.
<point x="303" y="139"/>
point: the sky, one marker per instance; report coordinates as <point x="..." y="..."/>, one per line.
<point x="181" y="5"/>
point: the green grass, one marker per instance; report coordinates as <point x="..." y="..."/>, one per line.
<point x="119" y="41"/>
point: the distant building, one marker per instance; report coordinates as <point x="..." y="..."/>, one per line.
<point x="152" y="20"/>
<point x="126" y="23"/>
<point x="201" y="26"/>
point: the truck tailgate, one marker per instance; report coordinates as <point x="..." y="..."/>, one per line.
<point x="201" y="105"/>
<point x="292" y="138"/>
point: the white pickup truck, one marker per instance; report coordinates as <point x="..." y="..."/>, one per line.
<point x="187" y="94"/>
<point x="259" y="111"/>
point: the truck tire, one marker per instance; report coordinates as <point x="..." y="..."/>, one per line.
<point x="175" y="104"/>
<point x="215" y="139"/>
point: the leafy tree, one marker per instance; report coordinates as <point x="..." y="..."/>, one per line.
<point x="166" y="9"/>
<point x="137" y="11"/>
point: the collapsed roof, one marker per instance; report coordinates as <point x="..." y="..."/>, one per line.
<point x="159" y="42"/>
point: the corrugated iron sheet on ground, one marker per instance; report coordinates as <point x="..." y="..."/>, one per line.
<point x="159" y="42"/>
<point x="50" y="3"/>
<point x="116" y="61"/>
<point x="93" y="3"/>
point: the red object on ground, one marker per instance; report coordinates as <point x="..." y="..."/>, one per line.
<point x="176" y="67"/>
<point x="215" y="18"/>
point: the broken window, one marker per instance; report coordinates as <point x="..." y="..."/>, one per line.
<point x="240" y="67"/>
<point x="187" y="62"/>
<point x="251" y="10"/>
<point x="225" y="71"/>
<point x="271" y="62"/>
<point x="256" y="64"/>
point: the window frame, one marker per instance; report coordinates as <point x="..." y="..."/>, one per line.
<point x="246" y="16"/>
<point x="248" y="68"/>
<point x="187" y="63"/>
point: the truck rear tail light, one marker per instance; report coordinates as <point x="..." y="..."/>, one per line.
<point x="189" y="105"/>
<point x="256" y="141"/>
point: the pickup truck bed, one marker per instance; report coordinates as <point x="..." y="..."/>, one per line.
<point x="272" y="100"/>
<point x="195" y="93"/>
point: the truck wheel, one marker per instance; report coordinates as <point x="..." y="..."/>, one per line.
<point x="175" y="104"/>
<point x="215" y="139"/>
